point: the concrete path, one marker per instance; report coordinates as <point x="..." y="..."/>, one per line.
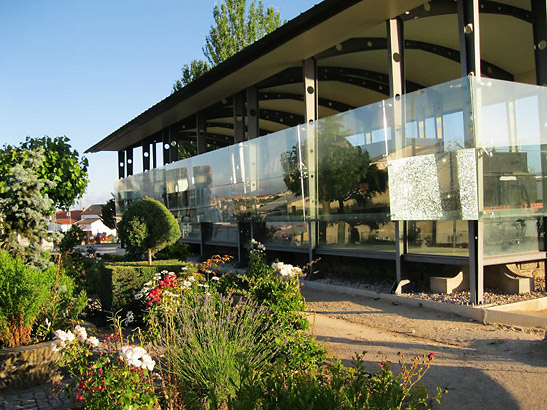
<point x="480" y="366"/>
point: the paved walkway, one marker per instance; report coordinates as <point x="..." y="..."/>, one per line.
<point x="39" y="397"/>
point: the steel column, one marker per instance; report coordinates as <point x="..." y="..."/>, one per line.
<point x="468" y="23"/>
<point x="165" y="145"/>
<point x="310" y="82"/>
<point x="154" y="154"/>
<point x="539" y="24"/>
<point x="239" y="117"/>
<point x="121" y="164"/>
<point x="145" y="155"/>
<point x="201" y="133"/>
<point x="129" y="161"/>
<point x="252" y="112"/>
<point x="395" y="50"/>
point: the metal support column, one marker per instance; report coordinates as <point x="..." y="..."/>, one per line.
<point x="470" y="57"/>
<point x="204" y="236"/>
<point x="310" y="81"/>
<point x="165" y="145"/>
<point x="145" y="155"/>
<point x="239" y="117"/>
<point x="468" y="24"/>
<point x="121" y="164"/>
<point x="252" y="112"/>
<point x="395" y="45"/>
<point x="154" y="154"/>
<point x="129" y="161"/>
<point x="201" y="133"/>
<point x="173" y="145"/>
<point x="539" y="24"/>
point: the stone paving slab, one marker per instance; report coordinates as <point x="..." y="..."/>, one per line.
<point x="41" y="397"/>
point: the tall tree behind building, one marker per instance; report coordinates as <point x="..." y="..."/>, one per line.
<point x="236" y="26"/>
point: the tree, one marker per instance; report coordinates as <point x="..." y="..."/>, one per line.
<point x="148" y="226"/>
<point x="191" y="72"/>
<point x="108" y="213"/>
<point x="236" y="27"/>
<point x="63" y="167"/>
<point x="24" y="210"/>
<point x="63" y="174"/>
<point x="73" y="237"/>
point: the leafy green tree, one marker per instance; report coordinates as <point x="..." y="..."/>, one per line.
<point x="191" y="72"/>
<point x="63" y="167"/>
<point x="73" y="237"/>
<point x="108" y="213"/>
<point x="63" y="174"/>
<point x="24" y="210"/>
<point x="236" y="27"/>
<point x="148" y="226"/>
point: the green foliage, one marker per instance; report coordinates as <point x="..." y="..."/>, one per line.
<point x="24" y="210"/>
<point x="108" y="213"/>
<point x="73" y="237"/>
<point x="236" y="26"/>
<point x="178" y="251"/>
<point x="215" y="344"/>
<point x="24" y="291"/>
<point x="107" y="374"/>
<point x="118" y="282"/>
<point x="191" y="72"/>
<point x="148" y="226"/>
<point x="235" y="29"/>
<point x="332" y="386"/>
<point x="62" y="167"/>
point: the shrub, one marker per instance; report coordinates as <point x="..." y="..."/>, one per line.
<point x="147" y="226"/>
<point x="112" y="374"/>
<point x="178" y="251"/>
<point x="23" y="293"/>
<point x="119" y="282"/>
<point x="73" y="237"/>
<point x="332" y="386"/>
<point x="213" y="345"/>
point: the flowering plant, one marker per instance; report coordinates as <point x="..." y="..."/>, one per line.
<point x="111" y="373"/>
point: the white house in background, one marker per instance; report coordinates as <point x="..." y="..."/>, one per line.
<point x="91" y="223"/>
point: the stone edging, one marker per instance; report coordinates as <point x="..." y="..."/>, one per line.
<point x="491" y="314"/>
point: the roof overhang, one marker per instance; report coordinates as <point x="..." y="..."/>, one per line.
<point x="323" y="26"/>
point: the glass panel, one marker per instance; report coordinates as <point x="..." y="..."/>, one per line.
<point x="438" y="237"/>
<point x="352" y="191"/>
<point x="504" y="236"/>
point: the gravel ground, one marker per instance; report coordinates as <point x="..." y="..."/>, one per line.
<point x="491" y="296"/>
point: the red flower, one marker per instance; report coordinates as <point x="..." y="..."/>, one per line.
<point x="430" y="356"/>
<point x="79" y="397"/>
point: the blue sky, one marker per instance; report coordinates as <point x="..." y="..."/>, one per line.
<point x="85" y="68"/>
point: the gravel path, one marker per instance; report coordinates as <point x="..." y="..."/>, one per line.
<point x="480" y="366"/>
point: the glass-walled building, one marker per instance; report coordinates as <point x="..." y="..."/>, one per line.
<point x="407" y="131"/>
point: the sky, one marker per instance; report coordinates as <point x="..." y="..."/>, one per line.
<point x="85" y="68"/>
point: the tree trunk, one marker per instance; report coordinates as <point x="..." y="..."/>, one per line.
<point x="149" y="257"/>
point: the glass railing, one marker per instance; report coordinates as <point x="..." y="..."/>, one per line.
<point x="464" y="150"/>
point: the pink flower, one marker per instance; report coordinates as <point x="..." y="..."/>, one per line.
<point x="430" y="356"/>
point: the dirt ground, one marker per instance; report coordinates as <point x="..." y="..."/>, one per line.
<point x="480" y="366"/>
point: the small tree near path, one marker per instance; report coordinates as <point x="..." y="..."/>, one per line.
<point x="147" y="226"/>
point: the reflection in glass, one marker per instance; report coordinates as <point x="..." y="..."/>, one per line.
<point x="438" y="237"/>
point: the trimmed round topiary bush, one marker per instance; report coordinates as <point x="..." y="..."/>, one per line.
<point x="147" y="226"/>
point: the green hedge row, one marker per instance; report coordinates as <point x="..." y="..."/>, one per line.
<point x="118" y="282"/>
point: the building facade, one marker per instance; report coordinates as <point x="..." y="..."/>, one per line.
<point x="408" y="131"/>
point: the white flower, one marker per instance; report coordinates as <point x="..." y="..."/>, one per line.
<point x="203" y="285"/>
<point x="57" y="345"/>
<point x="139" y="296"/>
<point x="184" y="268"/>
<point x="149" y="283"/>
<point x="191" y="279"/>
<point x="215" y="278"/>
<point x="92" y="341"/>
<point x="81" y="333"/>
<point x="63" y="336"/>
<point x="129" y="317"/>
<point x="48" y="323"/>
<point x="186" y="284"/>
<point x="136" y="356"/>
<point x="157" y="276"/>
